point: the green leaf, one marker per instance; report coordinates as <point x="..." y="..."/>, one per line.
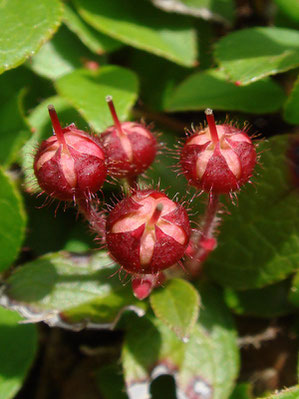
<point x="40" y="123"/>
<point x="211" y="89"/>
<point x="259" y="242"/>
<point x="206" y="364"/>
<point x="148" y="67"/>
<point x="25" y="26"/>
<point x="270" y="301"/>
<point x="141" y="25"/>
<point x="110" y="382"/>
<point x="18" y="345"/>
<point x="13" y="129"/>
<point x="294" y="291"/>
<point x="94" y="40"/>
<point x="79" y="288"/>
<point x="79" y="239"/>
<point x="282" y="20"/>
<point x="251" y="54"/>
<point x="288" y="393"/>
<point x="219" y="10"/>
<point x="86" y="92"/>
<point x="63" y="229"/>
<point x="177" y="305"/>
<point x="62" y="55"/>
<point x="13" y="221"/>
<point x="291" y="108"/>
<point x="242" y="391"/>
<point x="163" y="175"/>
<point x="23" y="79"/>
<point x="289" y="7"/>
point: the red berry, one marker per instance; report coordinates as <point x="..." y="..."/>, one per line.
<point x="219" y="158"/>
<point x="147" y="232"/>
<point x="70" y="164"/>
<point x="130" y="148"/>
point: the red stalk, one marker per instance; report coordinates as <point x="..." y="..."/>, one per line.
<point x="56" y="125"/>
<point x="206" y="242"/>
<point x="117" y="123"/>
<point x="212" y="125"/>
<point x="156" y="215"/>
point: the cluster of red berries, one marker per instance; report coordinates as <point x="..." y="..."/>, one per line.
<point x="146" y="232"/>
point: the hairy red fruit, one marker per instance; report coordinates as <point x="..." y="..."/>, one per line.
<point x="130" y="147"/>
<point x="219" y="158"/>
<point x="147" y="232"/>
<point x="70" y="164"/>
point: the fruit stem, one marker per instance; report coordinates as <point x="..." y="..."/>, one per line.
<point x="129" y="184"/>
<point x="96" y="219"/>
<point x="211" y="214"/>
<point x="212" y="125"/>
<point x="117" y="123"/>
<point x="205" y="242"/>
<point x="156" y="214"/>
<point x="56" y="125"/>
<point x="132" y="182"/>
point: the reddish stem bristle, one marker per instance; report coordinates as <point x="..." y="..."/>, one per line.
<point x="116" y="121"/>
<point x="212" y="125"/>
<point x="56" y="125"/>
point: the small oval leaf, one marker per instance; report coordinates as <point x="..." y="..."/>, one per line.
<point x="13" y="221"/>
<point x="58" y="57"/>
<point x="203" y="367"/>
<point x="141" y="25"/>
<point x="69" y="288"/>
<point x="25" y="26"/>
<point x="210" y="89"/>
<point x="250" y="54"/>
<point x="94" y="40"/>
<point x="177" y="305"/>
<point x="18" y="345"/>
<point x="86" y="92"/>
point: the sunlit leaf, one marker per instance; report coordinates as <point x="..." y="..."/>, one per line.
<point x="13" y="220"/>
<point x="86" y="92"/>
<point x="250" y="54"/>
<point x="18" y="345"/>
<point x="212" y="89"/>
<point x="25" y="26"/>
<point x="141" y="25"/>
